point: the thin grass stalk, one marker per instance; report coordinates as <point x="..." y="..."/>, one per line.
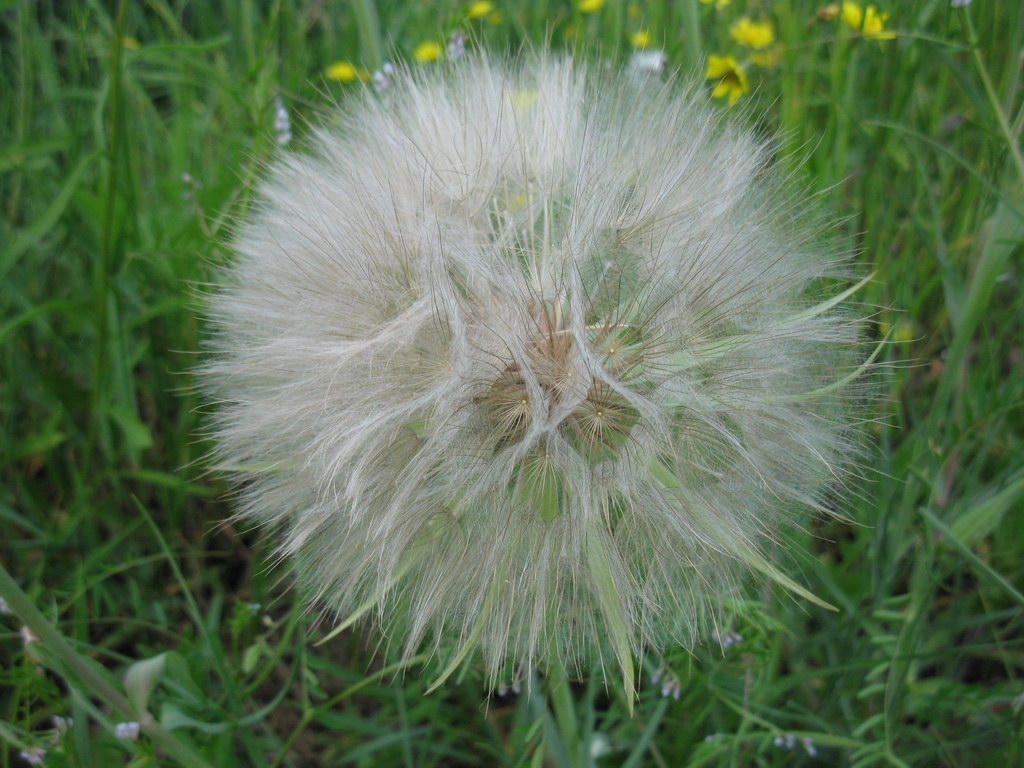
<point x="691" y="34"/>
<point x="559" y="693"/>
<point x="98" y="436"/>
<point x="370" y="46"/>
<point x="993" y="97"/>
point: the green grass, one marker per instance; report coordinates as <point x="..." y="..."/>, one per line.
<point x="131" y="138"/>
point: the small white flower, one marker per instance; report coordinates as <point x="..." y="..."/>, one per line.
<point x="382" y="77"/>
<point x="670" y="685"/>
<point x="644" y="64"/>
<point x="504" y="689"/>
<point x="456" y="45"/>
<point x="282" y="123"/>
<point x="600" y="745"/>
<point x="129" y="731"/>
<point x="33" y="755"/>
<point x="729" y="639"/>
<point x="61" y="724"/>
<point x="28" y="636"/>
<point x="1017" y="703"/>
<point x="959" y="3"/>
<point x="4" y="610"/>
<point x="809" y="747"/>
<point x="788" y="740"/>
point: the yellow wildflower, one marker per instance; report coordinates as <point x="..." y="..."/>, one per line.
<point x="344" y="71"/>
<point x="640" y="39"/>
<point x="873" y="24"/>
<point x="869" y="21"/>
<point x="427" y="52"/>
<point x="590" y="6"/>
<point x="732" y="80"/>
<point x="753" y="34"/>
<point x="479" y="9"/>
<point x="718" y="3"/>
<point x="129" y="42"/>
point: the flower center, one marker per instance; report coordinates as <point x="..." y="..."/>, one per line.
<point x="602" y="417"/>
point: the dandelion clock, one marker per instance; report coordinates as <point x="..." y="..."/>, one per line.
<point x="531" y="365"/>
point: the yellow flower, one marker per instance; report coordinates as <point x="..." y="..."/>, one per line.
<point x="753" y="34"/>
<point x="732" y="80"/>
<point x="427" y="51"/>
<point x="868" y="20"/>
<point x="130" y="42"/>
<point x="853" y="15"/>
<point x="718" y="3"/>
<point x="874" y="25"/>
<point x="640" y="38"/>
<point x="343" y="71"/>
<point x="479" y="9"/>
<point x="590" y="6"/>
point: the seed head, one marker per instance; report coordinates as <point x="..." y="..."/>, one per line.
<point x="532" y="361"/>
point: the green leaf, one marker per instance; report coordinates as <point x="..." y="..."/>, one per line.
<point x="664" y="475"/>
<point x="611" y="609"/>
<point x="828" y="304"/>
<point x="469" y="643"/>
<point x="252" y="654"/>
<point x="983" y="568"/>
<point x="759" y="564"/>
<point x="41" y="226"/>
<point x="404" y="564"/>
<point x="136" y="433"/>
<point x="981" y="519"/>
<point x="171" y="716"/>
<point x="540" y="486"/>
<point x="141" y="678"/>
<point x="29" y="315"/>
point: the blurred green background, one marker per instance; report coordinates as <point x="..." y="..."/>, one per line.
<point x="131" y="137"/>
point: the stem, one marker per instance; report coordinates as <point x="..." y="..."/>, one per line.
<point x="691" y="35"/>
<point x="54" y="642"/>
<point x="102" y="269"/>
<point x="560" y="695"/>
<point x="368" y="26"/>
<point x="993" y="97"/>
<point x="646" y="740"/>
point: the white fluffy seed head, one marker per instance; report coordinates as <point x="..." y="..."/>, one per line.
<point x="533" y="360"/>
